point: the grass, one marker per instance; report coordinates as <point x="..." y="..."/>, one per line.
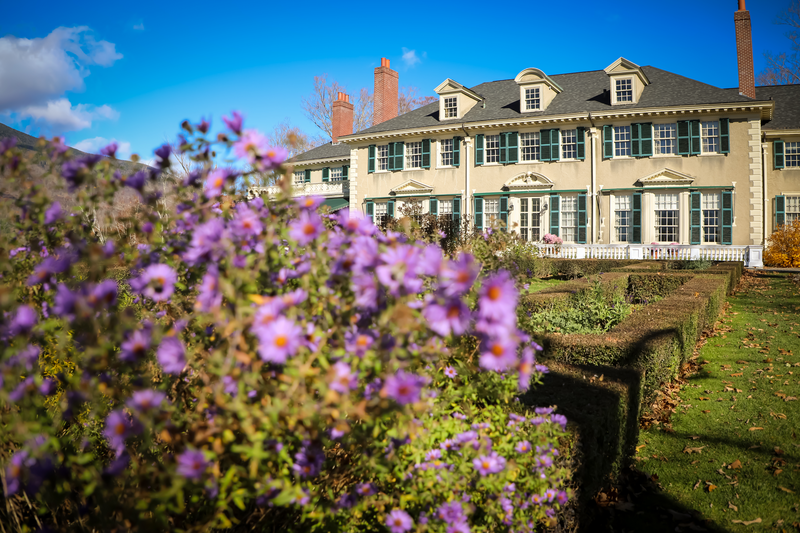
<point x="532" y="285"/>
<point x="731" y="450"/>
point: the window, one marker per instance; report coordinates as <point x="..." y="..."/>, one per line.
<point x="529" y="220"/>
<point x="622" y="218"/>
<point x="445" y="207"/>
<point x="451" y="107"/>
<point x="492" y="149"/>
<point x="491" y="211"/>
<point x="792" y="208"/>
<point x="622" y="141"/>
<point x="667" y="214"/>
<point x="299" y="176"/>
<point x="709" y="133"/>
<point x="792" y="154"/>
<point x="711" y="218"/>
<point x="382" y="158"/>
<point x="529" y="144"/>
<point x="569" y="218"/>
<point x="446" y="152"/>
<point x="336" y="174"/>
<point x="414" y="155"/>
<point x="624" y="90"/>
<point x="569" y="144"/>
<point x="664" y="139"/>
<point x="532" y="99"/>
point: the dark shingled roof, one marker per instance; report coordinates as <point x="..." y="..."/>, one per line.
<point x="787" y="106"/>
<point x="582" y="92"/>
<point x="325" y="151"/>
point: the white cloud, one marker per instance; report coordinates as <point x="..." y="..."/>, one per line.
<point x="410" y="57"/>
<point x="60" y="115"/>
<point x="139" y="27"/>
<point x="93" y="146"/>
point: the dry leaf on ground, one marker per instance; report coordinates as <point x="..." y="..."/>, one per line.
<point x="731" y="506"/>
<point x="747" y="522"/>
<point x="754" y="429"/>
<point x="690" y="450"/>
<point x="784" y="489"/>
<point x="735" y="465"/>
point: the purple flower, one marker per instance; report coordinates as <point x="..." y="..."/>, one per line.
<point x="119" y="427"/>
<point x="26" y="357"/>
<point x="118" y="465"/>
<point x="136" y="180"/>
<point x="451" y="513"/>
<point x="51" y="265"/>
<point x="450" y="372"/>
<point x="192" y="464"/>
<point x="246" y="222"/>
<point x="398" y="521"/>
<point x="209" y="297"/>
<point x="162" y="153"/>
<point x="358" y="342"/>
<point x="452" y="317"/>
<point x="308" y="461"/>
<point x="215" y="182"/>
<point x="7" y="144"/>
<point x="305" y="228"/>
<point x="432" y="455"/>
<point x="171" y="355"/>
<point x="430" y="263"/>
<point x="53" y="213"/>
<point x="156" y="282"/>
<point x="136" y="346"/>
<point x="23" y="321"/>
<point x="104" y="294"/>
<point x="524" y="369"/>
<point x="206" y="244"/>
<point x="403" y="387"/>
<point x="110" y="150"/>
<point x="309" y="203"/>
<point x="47" y="387"/>
<point x="560" y="420"/>
<point x="73" y="171"/>
<point x="365" y="489"/>
<point x="523" y="447"/>
<point x="561" y="497"/>
<point x="498" y="354"/>
<point x="449" y="445"/>
<point x="251" y="146"/>
<point x="354" y="222"/>
<point x="489" y="464"/>
<point x="458" y="276"/>
<point x="279" y="340"/>
<point x="16" y="466"/>
<point x="234" y="123"/>
<point x="372" y="387"/>
<point x="344" y="379"/>
<point x="145" y="400"/>
<point x="467" y="437"/>
<point x="498" y="298"/>
<point x="398" y="272"/>
<point x="25" y="386"/>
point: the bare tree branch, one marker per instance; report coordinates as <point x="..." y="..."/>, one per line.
<point x="784" y="68"/>
<point x="318" y="106"/>
<point x="408" y="100"/>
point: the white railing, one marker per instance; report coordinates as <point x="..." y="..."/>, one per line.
<point x="750" y="255"/>
<point x="330" y="188"/>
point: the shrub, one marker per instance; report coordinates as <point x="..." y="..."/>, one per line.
<point x="273" y="368"/>
<point x="691" y="264"/>
<point x="649" y="288"/>
<point x="783" y="249"/>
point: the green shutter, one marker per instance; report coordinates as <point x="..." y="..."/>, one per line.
<point x="582" y="222"/>
<point x="434" y="207"/>
<point x="727" y="217"/>
<point x="780" y="211"/>
<point x="544" y="145"/>
<point x="308" y="176"/>
<point x="371" y="163"/>
<point x="724" y="136"/>
<point x="555" y="153"/>
<point x="512" y="145"/>
<point x="503" y="148"/>
<point x="391" y="157"/>
<point x="479" y="214"/>
<point x="479" y="149"/>
<point x="390" y="208"/>
<point x="636" y="222"/>
<point x="371" y="211"/>
<point x="456" y="151"/>
<point x="636" y="139"/>
<point x="554" y="220"/>
<point x="581" y="135"/>
<point x="608" y="141"/>
<point x="646" y="139"/>
<point x="457" y="212"/>
<point x="426" y="153"/>
<point x="777" y="154"/>
<point x="345" y="172"/>
<point x="504" y="212"/>
<point x="398" y="156"/>
<point x="696" y="217"/>
<point x="694" y="132"/>
<point x="326" y="172"/>
<point x="683" y="137"/>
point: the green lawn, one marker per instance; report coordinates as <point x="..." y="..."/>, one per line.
<point x="731" y="451"/>
<point x="536" y="284"/>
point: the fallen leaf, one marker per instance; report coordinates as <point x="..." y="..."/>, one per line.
<point x="784" y="489"/>
<point x="731" y="506"/>
<point x="706" y="412"/>
<point x="703" y="398"/>
<point x="789" y="399"/>
<point x="736" y="375"/>
<point x="735" y="465"/>
<point x="777" y="472"/>
<point x="748" y="522"/>
<point x="711" y="487"/>
<point x="754" y="429"/>
<point x="697" y="484"/>
<point x="777" y="451"/>
<point x="640" y="447"/>
<point x="694" y="437"/>
<point x="690" y="450"/>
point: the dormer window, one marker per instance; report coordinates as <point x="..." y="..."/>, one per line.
<point x="533" y="100"/>
<point x="624" y="90"/>
<point x="451" y="107"/>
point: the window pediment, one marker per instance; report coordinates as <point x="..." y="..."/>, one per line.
<point x="412" y="187"/>
<point x="666" y="177"/>
<point x="528" y="181"/>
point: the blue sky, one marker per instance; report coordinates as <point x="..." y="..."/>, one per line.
<point x="137" y="69"/>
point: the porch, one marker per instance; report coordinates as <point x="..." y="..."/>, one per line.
<point x="750" y="255"/>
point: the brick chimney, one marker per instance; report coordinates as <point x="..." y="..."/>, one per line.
<point x="744" y="51"/>
<point x="385" y="98"/>
<point x="342" y="117"/>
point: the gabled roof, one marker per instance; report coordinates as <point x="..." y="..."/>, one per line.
<point x="787" y="106"/>
<point x="326" y="151"/>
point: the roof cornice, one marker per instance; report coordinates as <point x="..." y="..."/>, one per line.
<point x="780" y="133"/>
<point x="319" y="160"/>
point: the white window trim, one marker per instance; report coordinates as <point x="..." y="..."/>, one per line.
<point x="630" y="142"/>
<point x="406" y="166"/>
<point x="445" y="108"/>
<point x="486" y="150"/>
<point x="614" y="100"/>
<point x="785" y="166"/>
<point x="525" y="98"/>
<point x="439" y="164"/>
<point x="613" y="210"/>
<point x="378" y="170"/>
<point x="521" y="161"/>
<point x="561" y="146"/>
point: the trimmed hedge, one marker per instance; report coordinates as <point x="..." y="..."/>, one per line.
<point x="575" y="268"/>
<point x="612" y="281"/>
<point x="645" y="288"/>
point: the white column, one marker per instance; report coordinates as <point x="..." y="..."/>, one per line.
<point x="353" y="179"/>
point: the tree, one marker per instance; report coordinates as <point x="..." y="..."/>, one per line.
<point x="318" y="106"/>
<point x="784" y="68"/>
<point x="408" y="100"/>
<point x="292" y="139"/>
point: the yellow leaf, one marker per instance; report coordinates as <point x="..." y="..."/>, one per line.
<point x="747" y="522"/>
<point x="735" y="465"/>
<point x="784" y="489"/>
<point x="257" y="298"/>
<point x="754" y="429"/>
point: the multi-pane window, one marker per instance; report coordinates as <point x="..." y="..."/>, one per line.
<point x="622" y="141"/>
<point x="491" y="211"/>
<point x="529" y="221"/>
<point x="569" y="218"/>
<point x="382" y="158"/>
<point x="709" y="133"/>
<point x="667" y="214"/>
<point x="492" y="149"/>
<point x="445" y="207"/>
<point x="792" y="208"/>
<point x="299" y="176"/>
<point x="529" y="146"/>
<point x="791" y="155"/>
<point x="381" y="211"/>
<point x="451" y="107"/>
<point x="622" y="218"/>
<point x="414" y="155"/>
<point x="624" y="90"/>
<point x="569" y="144"/>
<point x="711" y="217"/>
<point x="336" y="174"/>
<point x="664" y="139"/>
<point x="446" y="152"/>
<point x="532" y="99"/>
